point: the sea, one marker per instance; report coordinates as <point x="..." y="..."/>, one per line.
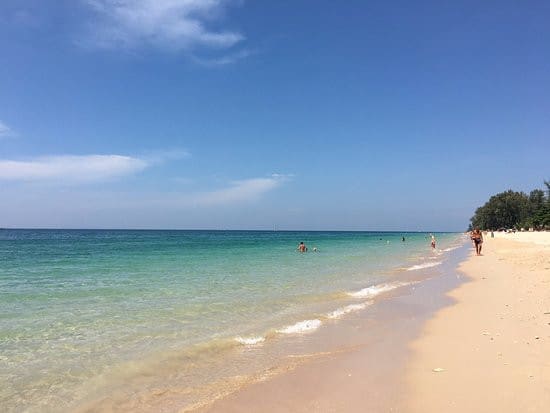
<point x="147" y="320"/>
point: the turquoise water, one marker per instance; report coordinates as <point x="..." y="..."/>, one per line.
<point x="86" y="312"/>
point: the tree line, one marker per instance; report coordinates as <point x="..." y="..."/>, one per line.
<point x="511" y="209"/>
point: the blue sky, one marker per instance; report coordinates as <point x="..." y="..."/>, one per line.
<point x="356" y="115"/>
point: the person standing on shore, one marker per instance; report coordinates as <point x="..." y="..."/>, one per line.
<point x="477" y="238"/>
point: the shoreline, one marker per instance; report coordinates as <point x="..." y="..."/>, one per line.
<point x="418" y="348"/>
<point x="360" y="367"/>
<point x="178" y="341"/>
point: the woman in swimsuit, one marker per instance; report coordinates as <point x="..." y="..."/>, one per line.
<point x="477" y="238"/>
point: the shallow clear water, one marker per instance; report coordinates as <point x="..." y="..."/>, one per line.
<point x="82" y="310"/>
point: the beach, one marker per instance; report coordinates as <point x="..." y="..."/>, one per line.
<point x="482" y="345"/>
<point x="229" y="206"/>
<point x="141" y="322"/>
<point x="493" y="344"/>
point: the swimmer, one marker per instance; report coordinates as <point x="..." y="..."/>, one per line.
<point x="302" y="247"/>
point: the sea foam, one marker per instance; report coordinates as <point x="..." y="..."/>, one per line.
<point x="347" y="309"/>
<point x="377" y="289"/>
<point x="424" y="265"/>
<point x="301" y="327"/>
<point x="250" y="341"/>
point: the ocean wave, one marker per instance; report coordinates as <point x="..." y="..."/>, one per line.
<point x="250" y="341"/>
<point x="347" y="309"/>
<point x="450" y="249"/>
<point x="301" y="327"/>
<point x="424" y="265"/>
<point x="377" y="289"/>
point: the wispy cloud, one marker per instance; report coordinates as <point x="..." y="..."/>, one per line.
<point x="71" y="168"/>
<point x="92" y="207"/>
<point x="168" y="24"/>
<point x="238" y="191"/>
<point x="223" y="60"/>
<point x="232" y="193"/>
<point x="5" y="131"/>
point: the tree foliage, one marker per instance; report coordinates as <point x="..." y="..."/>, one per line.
<point x="512" y="209"/>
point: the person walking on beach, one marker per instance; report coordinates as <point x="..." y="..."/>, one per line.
<point x="433" y="241"/>
<point x="477" y="238"/>
<point x="302" y="247"/>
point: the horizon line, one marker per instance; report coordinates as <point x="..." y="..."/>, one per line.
<point x="221" y="229"/>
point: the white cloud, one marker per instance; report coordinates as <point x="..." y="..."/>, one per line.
<point x="169" y="24"/>
<point x="71" y="168"/>
<point x="94" y="207"/>
<point x="238" y="191"/>
<point x="5" y="131"/>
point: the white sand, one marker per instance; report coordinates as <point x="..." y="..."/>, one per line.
<point x="539" y="238"/>
<point x="490" y="352"/>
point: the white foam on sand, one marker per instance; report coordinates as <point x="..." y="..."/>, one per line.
<point x="250" y="341"/>
<point x="348" y="309"/>
<point x="377" y="289"/>
<point x="424" y="265"/>
<point x="305" y="326"/>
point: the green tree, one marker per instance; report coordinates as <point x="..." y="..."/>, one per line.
<point x="541" y="217"/>
<point x="504" y="210"/>
<point x="536" y="200"/>
<point x="512" y="209"/>
<point x="537" y="203"/>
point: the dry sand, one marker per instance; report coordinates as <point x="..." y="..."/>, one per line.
<point x="539" y="238"/>
<point x="493" y="345"/>
<point x="483" y="347"/>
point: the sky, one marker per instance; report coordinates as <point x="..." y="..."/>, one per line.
<point x="241" y="114"/>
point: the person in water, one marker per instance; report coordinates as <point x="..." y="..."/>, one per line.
<point x="302" y="247"/>
<point x="403" y="239"/>
<point x="433" y="241"/>
<point x="477" y="238"/>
